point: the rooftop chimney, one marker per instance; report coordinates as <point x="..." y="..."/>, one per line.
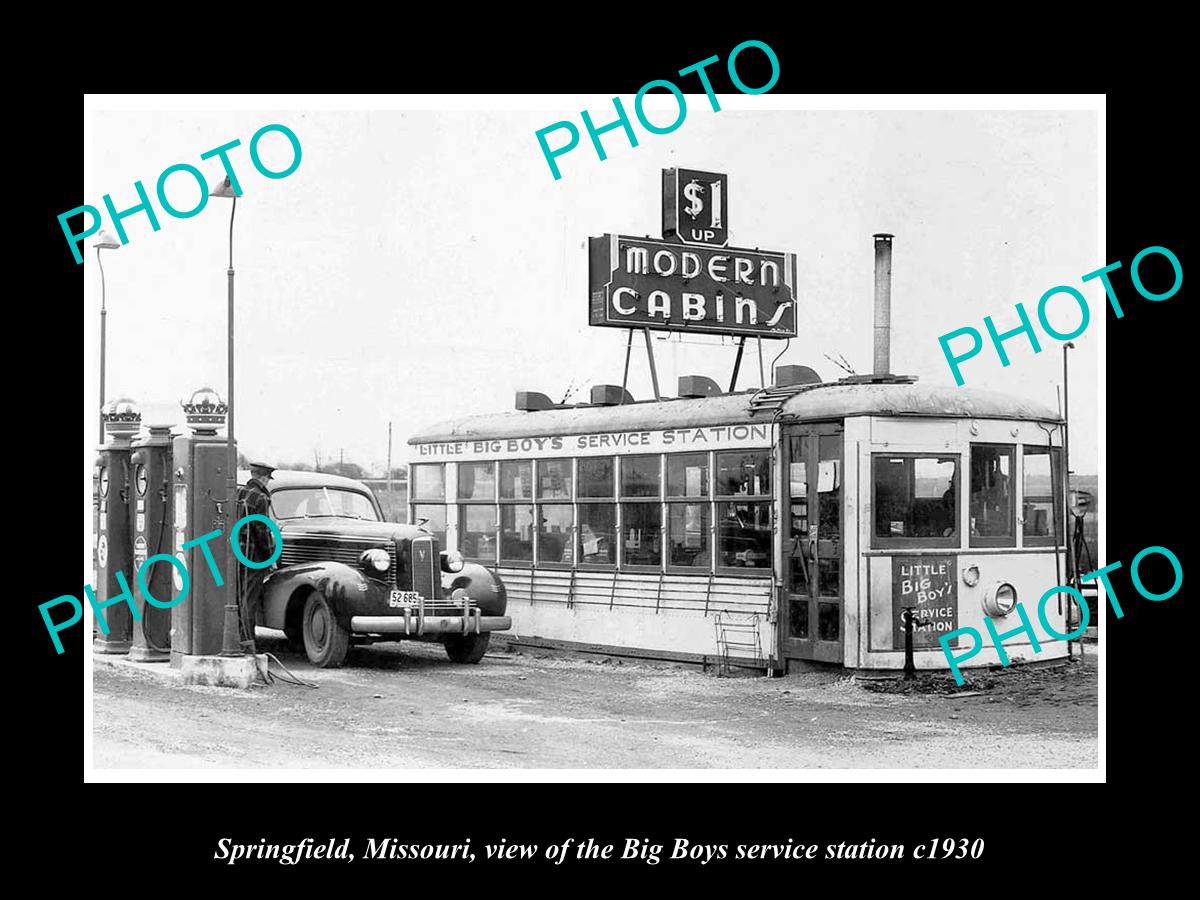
<point x="883" y="304"/>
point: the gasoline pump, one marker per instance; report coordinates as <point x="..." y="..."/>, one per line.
<point x="152" y="521"/>
<point x="202" y="516"/>
<point x="114" y="541"/>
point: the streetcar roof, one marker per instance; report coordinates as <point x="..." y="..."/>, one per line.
<point x="810" y="402"/>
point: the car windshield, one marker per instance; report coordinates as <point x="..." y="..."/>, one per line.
<point x="317" y="502"/>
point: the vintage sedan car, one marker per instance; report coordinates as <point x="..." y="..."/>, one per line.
<point x="345" y="572"/>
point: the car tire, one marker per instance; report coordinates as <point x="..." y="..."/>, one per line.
<point x="325" y="640"/>
<point x="467" y="648"/>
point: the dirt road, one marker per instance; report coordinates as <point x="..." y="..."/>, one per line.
<point x="409" y="707"/>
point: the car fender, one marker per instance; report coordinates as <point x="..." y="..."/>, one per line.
<point x="341" y="584"/>
<point x="484" y="587"/>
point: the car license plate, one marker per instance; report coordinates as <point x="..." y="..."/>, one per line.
<point x="403" y="598"/>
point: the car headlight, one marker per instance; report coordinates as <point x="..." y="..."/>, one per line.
<point x="376" y="559"/>
<point x="452" y="561"/>
<point x="1000" y="599"/>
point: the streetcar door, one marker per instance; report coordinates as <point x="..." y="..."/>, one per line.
<point x="811" y="611"/>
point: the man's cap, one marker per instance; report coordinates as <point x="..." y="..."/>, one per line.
<point x="262" y="465"/>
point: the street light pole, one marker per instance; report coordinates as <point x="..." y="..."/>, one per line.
<point x="1067" y="467"/>
<point x="106" y="242"/>
<point x="231" y="643"/>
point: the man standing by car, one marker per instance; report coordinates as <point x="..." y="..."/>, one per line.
<point x="256" y="543"/>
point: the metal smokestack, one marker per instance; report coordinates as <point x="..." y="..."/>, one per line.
<point x="883" y="304"/>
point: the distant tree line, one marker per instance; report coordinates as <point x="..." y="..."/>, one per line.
<point x="347" y="469"/>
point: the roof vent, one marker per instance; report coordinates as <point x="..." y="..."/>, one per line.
<point x="532" y="401"/>
<point x="785" y="376"/>
<point x="692" y="386"/>
<point x="610" y="395"/>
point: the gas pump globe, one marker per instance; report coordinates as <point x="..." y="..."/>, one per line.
<point x="122" y="418"/>
<point x="205" y="411"/>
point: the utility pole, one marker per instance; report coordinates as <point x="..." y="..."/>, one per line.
<point x="389" y="466"/>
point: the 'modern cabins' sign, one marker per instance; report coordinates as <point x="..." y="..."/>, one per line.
<point x="700" y="285"/>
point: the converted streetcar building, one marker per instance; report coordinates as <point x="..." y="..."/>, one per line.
<point x="815" y="512"/>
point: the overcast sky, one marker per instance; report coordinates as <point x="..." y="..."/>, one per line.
<point x="422" y="265"/>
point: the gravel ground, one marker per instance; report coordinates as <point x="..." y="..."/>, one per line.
<point x="406" y="706"/>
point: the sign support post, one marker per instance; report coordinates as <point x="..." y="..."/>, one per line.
<point x="653" y="369"/>
<point x="737" y="364"/>
<point x="625" y="377"/>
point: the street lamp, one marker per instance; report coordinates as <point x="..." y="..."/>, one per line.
<point x="231" y="638"/>
<point x="105" y="242"/>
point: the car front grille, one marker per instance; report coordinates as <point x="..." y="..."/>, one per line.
<point x="311" y="548"/>
<point x="426" y="568"/>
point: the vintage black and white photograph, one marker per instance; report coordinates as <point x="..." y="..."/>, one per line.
<point x="465" y="432"/>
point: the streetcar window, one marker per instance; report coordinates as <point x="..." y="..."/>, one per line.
<point x="687" y="532"/>
<point x="687" y="475"/>
<point x="429" y="482"/>
<point x="743" y="525"/>
<point x="554" y="479"/>
<point x="478" y="513"/>
<point x="915" y="500"/>
<point x="597" y="521"/>
<point x="992" y="509"/>
<point x="640" y="476"/>
<point x="555" y="544"/>
<point x="744" y="473"/>
<point x="744" y="535"/>
<point x="598" y="533"/>
<point x="1040" y="486"/>
<point x="516" y="532"/>
<point x="688" y="523"/>
<point x="477" y="532"/>
<point x="641" y="529"/>
<point x="516" y="480"/>
<point x="477" y="481"/>
<point x="596" y="477"/>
